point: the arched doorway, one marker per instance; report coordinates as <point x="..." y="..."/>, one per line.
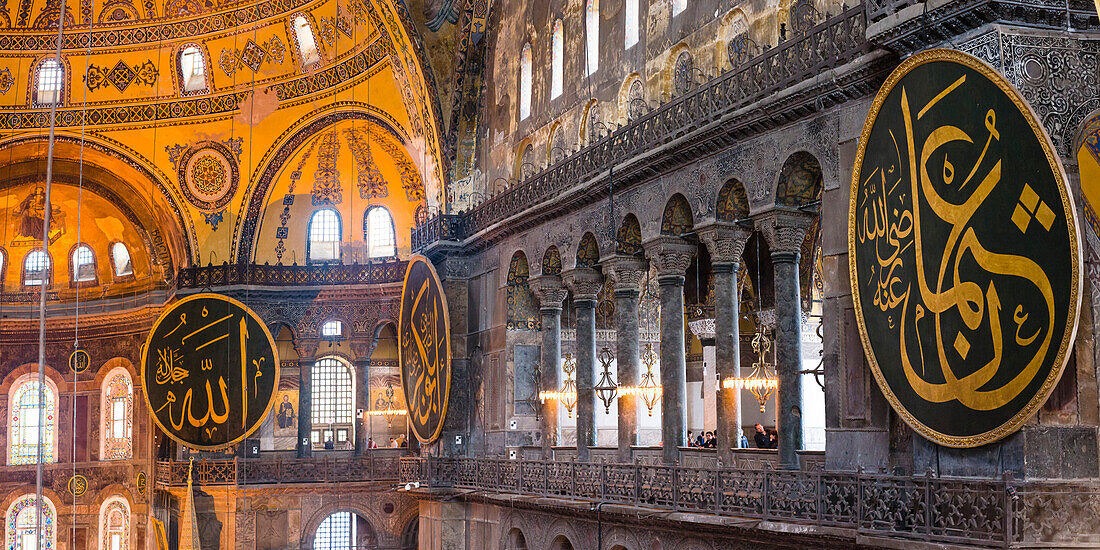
<point x="344" y="530"/>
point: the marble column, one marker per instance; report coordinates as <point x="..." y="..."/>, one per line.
<point x="585" y="284"/>
<point x="363" y="352"/>
<point x="307" y="351"/>
<point x="672" y="256"/>
<point x="551" y="293"/>
<point x="785" y="230"/>
<point x="726" y="243"/>
<point x="627" y="272"/>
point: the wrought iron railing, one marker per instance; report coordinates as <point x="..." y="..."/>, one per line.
<point x="993" y="513"/>
<point x="879" y="9"/>
<point x="228" y="274"/>
<point x="830" y="44"/>
<point x="375" y="465"/>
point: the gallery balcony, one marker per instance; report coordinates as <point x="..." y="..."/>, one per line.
<point x="376" y="465"/>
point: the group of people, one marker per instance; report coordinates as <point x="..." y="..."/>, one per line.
<point x="705" y="440"/>
<point x="764" y="439"/>
<point x="398" y="442"/>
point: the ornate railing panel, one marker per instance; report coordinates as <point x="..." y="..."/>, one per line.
<point x="385" y="466"/>
<point x="291" y="275"/>
<point x="830" y="44"/>
<point x="991" y="513"/>
<point x="879" y="9"/>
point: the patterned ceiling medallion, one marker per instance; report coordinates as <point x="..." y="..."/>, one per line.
<point x="209" y="175"/>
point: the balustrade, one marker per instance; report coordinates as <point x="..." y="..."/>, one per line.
<point x="374" y="465"/>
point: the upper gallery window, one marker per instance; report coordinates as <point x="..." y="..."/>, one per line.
<point x="22" y="521"/>
<point x="332" y="329"/>
<point x="3" y="259"/>
<point x="307" y="45"/>
<point x="381" y="241"/>
<point x="120" y="258"/>
<point x="51" y="75"/>
<point x="324" y="236"/>
<point x="630" y="13"/>
<point x="525" y="82"/>
<point x="26" y="416"/>
<point x="83" y="262"/>
<point x="592" y="38"/>
<point x="118" y="406"/>
<point x="557" y="72"/>
<point x="36" y="268"/>
<point x="192" y="69"/>
<point x="678" y="7"/>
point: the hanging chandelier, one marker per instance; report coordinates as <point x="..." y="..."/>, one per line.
<point x="567" y="395"/>
<point x="649" y="390"/>
<point x="606" y="389"/>
<point x="762" y="382"/>
<point x="390" y="410"/>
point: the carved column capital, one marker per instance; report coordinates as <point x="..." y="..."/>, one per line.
<point x="549" y="289"/>
<point x="307" y="348"/>
<point x="725" y="241"/>
<point x="626" y="271"/>
<point x="784" y="229"/>
<point x="363" y="350"/>
<point x="671" y="255"/>
<point x="584" y="282"/>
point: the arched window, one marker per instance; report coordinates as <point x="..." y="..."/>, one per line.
<point x="592" y="35"/>
<point x="336" y="532"/>
<point x="381" y="241"/>
<point x="36" y="269"/>
<point x="683" y="74"/>
<point x="324" y="236"/>
<point x="83" y="264"/>
<point x="3" y="261"/>
<point x="307" y="45"/>
<point x="51" y="77"/>
<point x="332" y="329"/>
<point x="593" y="125"/>
<point x="118" y="409"/>
<point x="22" y="524"/>
<point x="678" y="7"/>
<point x="120" y="259"/>
<point x="332" y="390"/>
<point x="32" y="422"/>
<point x="525" y="82"/>
<point x="557" y="72"/>
<point x="635" y="100"/>
<point x="630" y="13"/>
<point x="114" y="519"/>
<point x="192" y="69"/>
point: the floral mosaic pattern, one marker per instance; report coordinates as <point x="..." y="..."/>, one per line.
<point x="629" y="240"/>
<point x="370" y="181"/>
<point x="588" y="252"/>
<point x="522" y="309"/>
<point x="733" y="202"/>
<point x="799" y="181"/>
<point x="677" y="219"/>
<point x="551" y="261"/>
<point x="326" y="179"/>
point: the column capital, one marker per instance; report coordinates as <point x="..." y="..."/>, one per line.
<point x="626" y="271"/>
<point x="725" y="241"/>
<point x="363" y="350"/>
<point x="784" y="229"/>
<point x="584" y="282"/>
<point x="307" y="348"/>
<point x="549" y="289"/>
<point x="672" y="255"/>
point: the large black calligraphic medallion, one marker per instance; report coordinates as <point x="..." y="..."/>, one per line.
<point x="209" y="370"/>
<point x="424" y="344"/>
<point x="964" y="251"/>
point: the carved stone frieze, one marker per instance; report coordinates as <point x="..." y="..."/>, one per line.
<point x="585" y="283"/>
<point x="725" y="241"/>
<point x="783" y="229"/>
<point x="671" y="255"/>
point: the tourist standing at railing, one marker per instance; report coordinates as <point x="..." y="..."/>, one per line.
<point x="761" y="437"/>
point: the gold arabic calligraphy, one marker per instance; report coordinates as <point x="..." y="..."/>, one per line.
<point x="426" y="365"/>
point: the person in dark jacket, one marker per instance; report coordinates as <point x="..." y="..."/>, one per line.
<point x="761" y="437"/>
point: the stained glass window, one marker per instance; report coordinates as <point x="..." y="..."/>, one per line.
<point x="324" y="235"/>
<point x="120" y="256"/>
<point x="25" y="418"/>
<point x="192" y="69"/>
<point x="336" y="532"/>
<point x="557" y="73"/>
<point x="525" y="82"/>
<point x="83" y="264"/>
<point x="381" y="241"/>
<point x="592" y="38"/>
<point x="630" y="13"/>
<point x="36" y="268"/>
<point x="332" y="389"/>
<point x="118" y="407"/>
<point x="114" y="517"/>
<point x="678" y="6"/>
<point x="51" y="76"/>
<point x="307" y="46"/>
<point x="22" y="524"/>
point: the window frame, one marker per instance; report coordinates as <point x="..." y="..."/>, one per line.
<point x="106" y="417"/>
<point x="557" y="59"/>
<point x="53" y="399"/>
<point x="73" y="282"/>
<point x="48" y="510"/>
<point x="309" y="238"/>
<point x="339" y="329"/>
<point x="36" y="81"/>
<point x="635" y="6"/>
<point x="367" y="235"/>
<point x="591" y="37"/>
<point x="105" y="510"/>
<point x="114" y="267"/>
<point x="298" y="52"/>
<point x="526" y="69"/>
<point x="207" y="84"/>
<point x="49" y="271"/>
<point x="327" y="398"/>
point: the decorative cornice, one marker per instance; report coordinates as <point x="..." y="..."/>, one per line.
<point x="671" y="255"/>
<point x="784" y="229"/>
<point x="725" y="241"/>
<point x="584" y="282"/>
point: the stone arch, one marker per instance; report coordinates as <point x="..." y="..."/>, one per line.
<point x="60" y="384"/>
<point x="309" y="531"/>
<point x="588" y="251"/>
<point x="679" y="75"/>
<point x="555" y="143"/>
<point x="621" y="539"/>
<point x="561" y="542"/>
<point x="592" y="125"/>
<point x="551" y="261"/>
<point x="628" y="241"/>
<point x="625" y="97"/>
<point x="677" y="219"/>
<point x="732" y="203"/>
<point x="522" y="310"/>
<point x="800" y="180"/>
<point x="110" y="365"/>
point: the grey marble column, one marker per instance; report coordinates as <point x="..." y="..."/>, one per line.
<point x="726" y="243"/>
<point x="627" y="271"/>
<point x="363" y="352"/>
<point x="551" y="294"/>
<point x="585" y="285"/>
<point x="785" y="232"/>
<point x="672" y="256"/>
<point x="306" y="353"/>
